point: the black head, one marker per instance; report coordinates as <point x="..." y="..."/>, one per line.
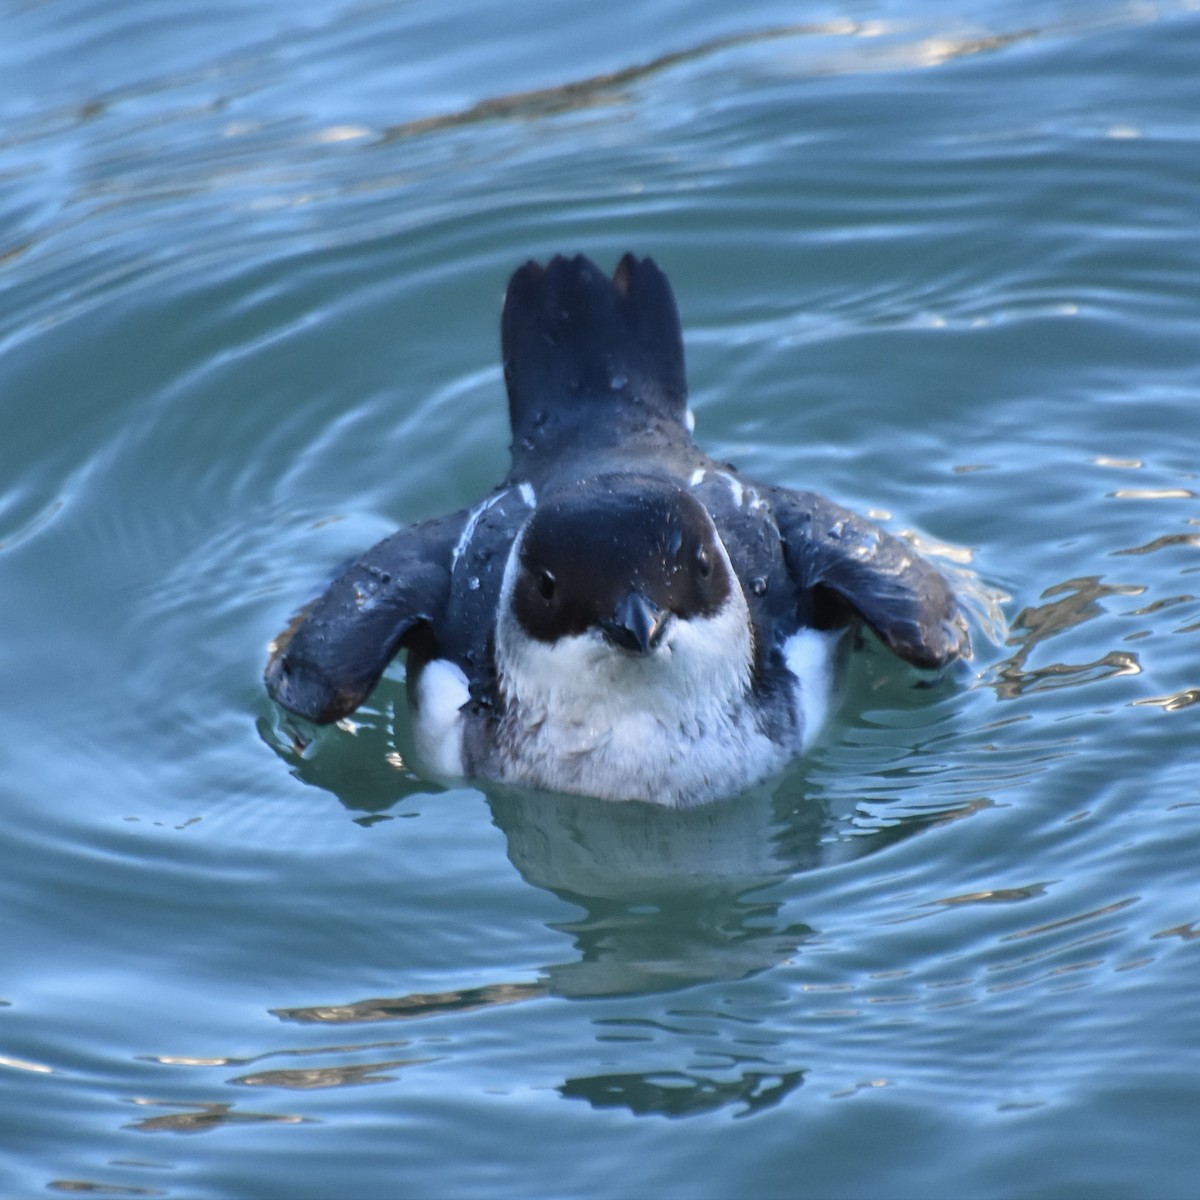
<point x="622" y="554"/>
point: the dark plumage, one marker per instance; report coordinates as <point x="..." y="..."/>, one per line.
<point x="617" y="529"/>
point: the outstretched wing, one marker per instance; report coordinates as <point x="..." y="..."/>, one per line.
<point x="853" y="568"/>
<point x="332" y="654"/>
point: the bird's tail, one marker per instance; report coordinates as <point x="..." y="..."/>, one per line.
<point x="581" y="349"/>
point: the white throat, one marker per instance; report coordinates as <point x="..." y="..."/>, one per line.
<point x="674" y="726"/>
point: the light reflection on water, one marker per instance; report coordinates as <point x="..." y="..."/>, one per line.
<point x="252" y="287"/>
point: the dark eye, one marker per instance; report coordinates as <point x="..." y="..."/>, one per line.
<point x="546" y="585"/>
<point x="703" y="562"/>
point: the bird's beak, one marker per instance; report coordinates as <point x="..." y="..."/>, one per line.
<point x="637" y="624"/>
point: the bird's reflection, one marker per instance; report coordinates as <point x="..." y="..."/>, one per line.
<point x="670" y="897"/>
<point x="666" y="899"/>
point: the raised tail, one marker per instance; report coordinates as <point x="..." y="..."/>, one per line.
<point x="585" y="352"/>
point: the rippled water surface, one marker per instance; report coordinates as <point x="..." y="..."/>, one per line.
<point x="939" y="262"/>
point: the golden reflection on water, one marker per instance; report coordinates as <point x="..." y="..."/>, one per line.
<point x="606" y="87"/>
<point x="1171" y="703"/>
<point x="308" y="1079"/>
<point x="997" y="895"/>
<point x="90" y="1188"/>
<point x="24" y="1064"/>
<point x="1037" y="930"/>
<point x="1153" y="494"/>
<point x="1167" y="541"/>
<point x="1187" y="932"/>
<point x="201" y="1118"/>
<point x="413" y="1006"/>
<point x="1078" y="601"/>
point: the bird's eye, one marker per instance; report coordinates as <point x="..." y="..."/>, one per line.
<point x="704" y="562"/>
<point x="546" y="585"/>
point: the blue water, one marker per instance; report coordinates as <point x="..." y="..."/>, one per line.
<point x="939" y="262"/>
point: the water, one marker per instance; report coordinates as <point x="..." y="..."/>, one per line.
<point x="938" y="262"/>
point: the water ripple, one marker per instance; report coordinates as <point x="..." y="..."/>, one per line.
<point x="253" y="263"/>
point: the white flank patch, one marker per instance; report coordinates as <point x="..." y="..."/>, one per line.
<point x="438" y="722"/>
<point x="811" y="657"/>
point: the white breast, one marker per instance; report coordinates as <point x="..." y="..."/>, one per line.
<point x="677" y="727"/>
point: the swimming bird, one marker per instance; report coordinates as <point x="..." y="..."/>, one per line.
<point x="622" y="617"/>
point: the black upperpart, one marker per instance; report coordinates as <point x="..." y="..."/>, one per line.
<point x="620" y="554"/>
<point x="587" y="354"/>
<point x="618" y="541"/>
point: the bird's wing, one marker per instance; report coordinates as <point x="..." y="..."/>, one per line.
<point x="332" y="654"/>
<point x="850" y="567"/>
